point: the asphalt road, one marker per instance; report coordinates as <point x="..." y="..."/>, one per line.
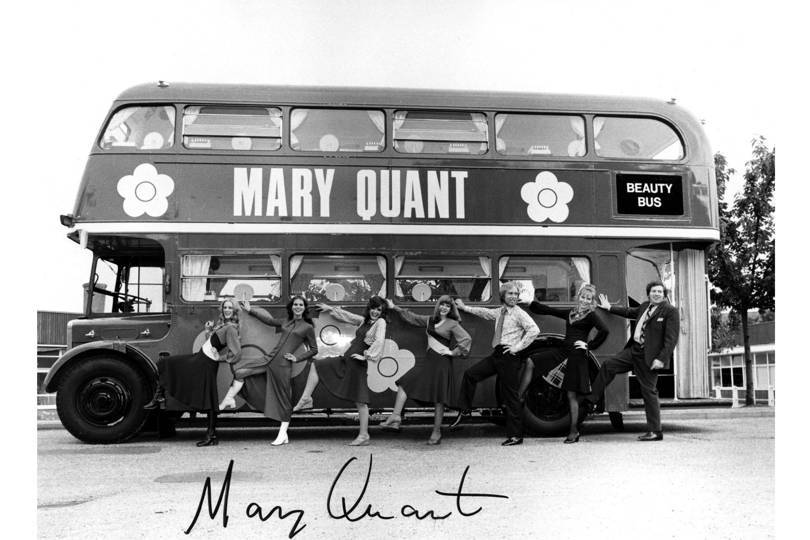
<point x="711" y="477"/>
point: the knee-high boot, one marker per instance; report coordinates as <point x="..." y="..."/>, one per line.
<point x="211" y="433"/>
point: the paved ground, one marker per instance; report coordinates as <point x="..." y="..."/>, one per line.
<point x="712" y="477"/>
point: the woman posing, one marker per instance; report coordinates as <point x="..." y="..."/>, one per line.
<point x="191" y="379"/>
<point x="346" y="376"/>
<point x="273" y="394"/>
<point x="578" y="325"/>
<point x="431" y="379"/>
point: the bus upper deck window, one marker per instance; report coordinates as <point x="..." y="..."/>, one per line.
<point x="636" y="138"/>
<point x="440" y="132"/>
<point x="219" y="127"/>
<point x="540" y="135"/>
<point x="140" y="128"/>
<point x="337" y="130"/>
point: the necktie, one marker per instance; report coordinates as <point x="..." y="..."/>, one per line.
<point x="496" y="338"/>
<point x="643" y="323"/>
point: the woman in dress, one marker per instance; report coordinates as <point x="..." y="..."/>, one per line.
<point x="346" y="376"/>
<point x="191" y="379"/>
<point x="431" y="379"/>
<point x="579" y="322"/>
<point x="273" y="394"/>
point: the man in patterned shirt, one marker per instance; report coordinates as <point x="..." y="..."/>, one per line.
<point x="514" y="331"/>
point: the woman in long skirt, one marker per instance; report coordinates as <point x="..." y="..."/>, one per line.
<point x="430" y="380"/>
<point x="191" y="379"/>
<point x="579" y="322"/>
<point x="346" y="376"/>
<point x="272" y="394"/>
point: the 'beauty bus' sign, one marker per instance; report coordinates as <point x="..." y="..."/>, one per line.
<point x="649" y="194"/>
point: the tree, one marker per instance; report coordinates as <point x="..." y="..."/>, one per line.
<point x="742" y="265"/>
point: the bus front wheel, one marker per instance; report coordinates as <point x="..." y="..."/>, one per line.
<point x="101" y="399"/>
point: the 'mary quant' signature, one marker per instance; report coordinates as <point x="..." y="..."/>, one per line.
<point x="352" y="508"/>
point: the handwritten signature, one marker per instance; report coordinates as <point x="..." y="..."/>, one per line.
<point x="352" y="508"/>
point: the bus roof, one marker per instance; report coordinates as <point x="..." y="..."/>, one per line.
<point x="403" y="97"/>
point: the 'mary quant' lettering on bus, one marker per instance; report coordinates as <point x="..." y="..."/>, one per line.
<point x="387" y="193"/>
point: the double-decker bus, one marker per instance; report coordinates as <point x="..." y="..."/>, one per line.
<point x="194" y="193"/>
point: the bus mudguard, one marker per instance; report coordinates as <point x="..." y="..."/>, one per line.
<point x="90" y="349"/>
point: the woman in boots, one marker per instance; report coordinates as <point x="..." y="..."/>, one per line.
<point x="579" y="322"/>
<point x="191" y="379"/>
<point x="346" y="376"/>
<point x="273" y="393"/>
<point x="431" y="379"/>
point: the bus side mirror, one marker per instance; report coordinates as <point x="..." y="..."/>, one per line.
<point x="167" y="283"/>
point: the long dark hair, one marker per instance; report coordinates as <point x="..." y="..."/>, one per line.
<point x="376" y="302"/>
<point x="305" y="316"/>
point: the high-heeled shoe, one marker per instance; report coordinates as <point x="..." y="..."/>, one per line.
<point x="279" y="442"/>
<point x="392" y="423"/>
<point x="571" y="440"/>
<point x="210" y="440"/>
<point x="227" y="403"/>
<point x="360" y="440"/>
<point x="303" y="403"/>
<point x="434" y="440"/>
<point x="157" y="400"/>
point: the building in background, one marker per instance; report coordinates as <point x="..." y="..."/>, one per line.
<point x="51" y="344"/>
<point x="728" y="365"/>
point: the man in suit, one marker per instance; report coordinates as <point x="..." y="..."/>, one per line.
<point x="648" y="351"/>
<point x="514" y="331"/>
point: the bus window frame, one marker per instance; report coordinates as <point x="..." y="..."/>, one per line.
<point x="287" y="278"/>
<point x="288" y="130"/>
<point x="224" y="253"/>
<point x="408" y="300"/>
<point x="173" y="149"/>
<point x="560" y="255"/>
<point x="179" y="127"/>
<point x="597" y="158"/>
<point x="489" y="116"/>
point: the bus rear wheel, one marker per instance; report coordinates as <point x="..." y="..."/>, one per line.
<point x="101" y="399"/>
<point x="546" y="411"/>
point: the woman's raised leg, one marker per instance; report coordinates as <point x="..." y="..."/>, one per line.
<point x="229" y="401"/>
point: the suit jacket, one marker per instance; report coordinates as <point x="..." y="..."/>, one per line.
<point x="660" y="333"/>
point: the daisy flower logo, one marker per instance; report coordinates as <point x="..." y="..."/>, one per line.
<point x="145" y="191"/>
<point x="393" y="364"/>
<point x="547" y="198"/>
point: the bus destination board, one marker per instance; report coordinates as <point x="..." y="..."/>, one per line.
<point x="649" y="194"/>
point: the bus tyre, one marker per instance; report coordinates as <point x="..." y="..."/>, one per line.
<point x="616" y="420"/>
<point x="101" y="399"/>
<point x="546" y="411"/>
